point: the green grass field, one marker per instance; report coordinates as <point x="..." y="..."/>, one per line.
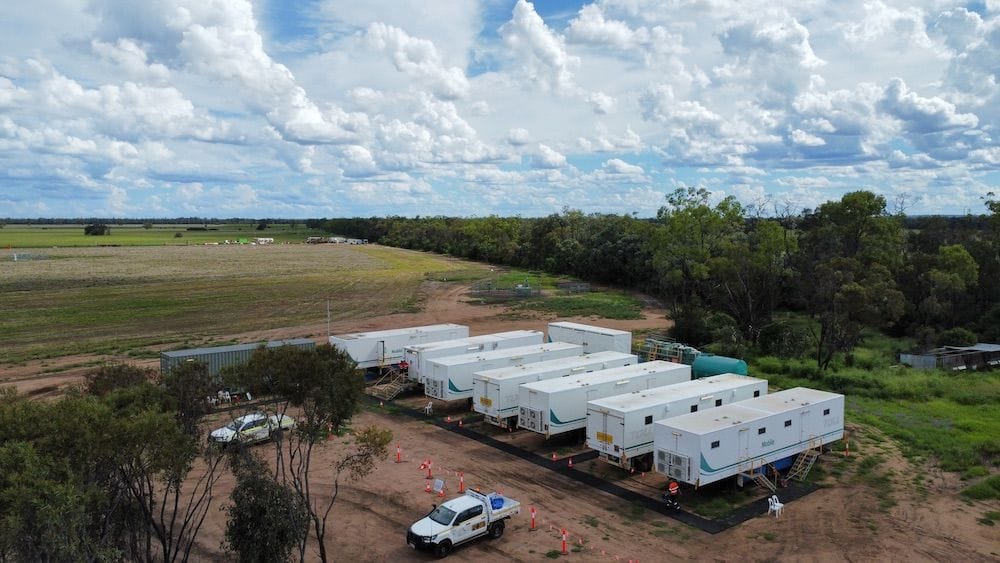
<point x="949" y="418"/>
<point x="121" y="299"/>
<point x="47" y="236"/>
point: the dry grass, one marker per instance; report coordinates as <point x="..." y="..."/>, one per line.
<point x="101" y="300"/>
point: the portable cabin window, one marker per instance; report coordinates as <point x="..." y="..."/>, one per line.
<point x="756" y="393"/>
<point x="694" y="408"/>
<point x="649" y="419"/>
<point x="826" y="412"/>
<point x="715" y="444"/>
<point x="761" y="430"/>
<point x="788" y="423"/>
<point x="718" y="402"/>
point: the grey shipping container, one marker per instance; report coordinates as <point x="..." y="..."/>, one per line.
<point x="218" y="357"/>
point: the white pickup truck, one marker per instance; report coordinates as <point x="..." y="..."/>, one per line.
<point x="251" y="428"/>
<point x="462" y="519"/>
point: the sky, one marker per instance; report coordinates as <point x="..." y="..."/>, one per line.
<point x="340" y="108"/>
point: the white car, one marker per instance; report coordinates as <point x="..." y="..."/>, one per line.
<point x="251" y="428"/>
<point x="460" y="520"/>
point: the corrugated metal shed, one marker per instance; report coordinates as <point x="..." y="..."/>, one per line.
<point x="218" y="357"/>
<point x="978" y="356"/>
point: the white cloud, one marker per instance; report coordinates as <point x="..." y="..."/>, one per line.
<point x="601" y="102"/>
<point x="905" y="25"/>
<point x="800" y="137"/>
<point x="131" y="57"/>
<point x="419" y="59"/>
<point x="590" y="26"/>
<point x="923" y="115"/>
<point x="618" y="166"/>
<point x="518" y="136"/>
<point x="546" y="157"/>
<point x="539" y="51"/>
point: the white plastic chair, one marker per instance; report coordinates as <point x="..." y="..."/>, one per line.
<point x="775" y="506"/>
<point x="225" y="397"/>
<point x="438" y="485"/>
<point x="429" y="408"/>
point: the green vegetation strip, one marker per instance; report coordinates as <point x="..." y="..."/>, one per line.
<point x="949" y="417"/>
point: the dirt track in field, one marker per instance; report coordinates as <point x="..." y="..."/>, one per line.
<point x="841" y="522"/>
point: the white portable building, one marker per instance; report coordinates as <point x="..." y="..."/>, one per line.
<point x="592" y="338"/>
<point x="495" y="390"/>
<point x="416" y="356"/>
<point x="740" y="438"/>
<point x="621" y="427"/>
<point x="450" y="378"/>
<point x="560" y="405"/>
<point x="385" y="347"/>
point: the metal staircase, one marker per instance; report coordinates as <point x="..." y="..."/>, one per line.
<point x="763" y="481"/>
<point x="390" y="385"/>
<point x="805" y="461"/>
<point x="757" y="471"/>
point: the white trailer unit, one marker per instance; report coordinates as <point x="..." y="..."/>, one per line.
<point x="620" y="428"/>
<point x="416" y="356"/>
<point x="560" y="405"/>
<point x="704" y="447"/>
<point x="495" y="390"/>
<point x="385" y="347"/>
<point x="450" y="378"/>
<point x="592" y="338"/>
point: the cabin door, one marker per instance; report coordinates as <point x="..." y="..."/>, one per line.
<point x="803" y="416"/>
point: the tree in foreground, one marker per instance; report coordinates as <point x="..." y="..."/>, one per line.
<point x="103" y="476"/>
<point x="267" y="518"/>
<point x="325" y="389"/>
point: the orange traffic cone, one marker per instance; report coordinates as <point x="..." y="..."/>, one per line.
<point x="427" y="488"/>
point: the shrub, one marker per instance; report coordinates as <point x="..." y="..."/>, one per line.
<point x="783" y="340"/>
<point x="957" y="336"/>
<point x="97" y="229"/>
<point x="987" y="489"/>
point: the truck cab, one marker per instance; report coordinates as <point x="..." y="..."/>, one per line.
<point x="460" y="520"/>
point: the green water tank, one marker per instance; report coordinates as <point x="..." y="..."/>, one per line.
<point x="709" y="364"/>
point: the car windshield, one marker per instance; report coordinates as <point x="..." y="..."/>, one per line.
<point x="442" y="515"/>
<point x="241" y="422"/>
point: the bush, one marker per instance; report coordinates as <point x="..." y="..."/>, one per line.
<point x="768" y="364"/>
<point x="97" y="229"/>
<point x="987" y="489"/>
<point x="957" y="336"/>
<point x="784" y="341"/>
<point x="690" y="325"/>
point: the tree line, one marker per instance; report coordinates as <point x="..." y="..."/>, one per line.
<point x="724" y="270"/>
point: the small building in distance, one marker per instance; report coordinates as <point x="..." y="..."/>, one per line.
<point x="977" y="356"/>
